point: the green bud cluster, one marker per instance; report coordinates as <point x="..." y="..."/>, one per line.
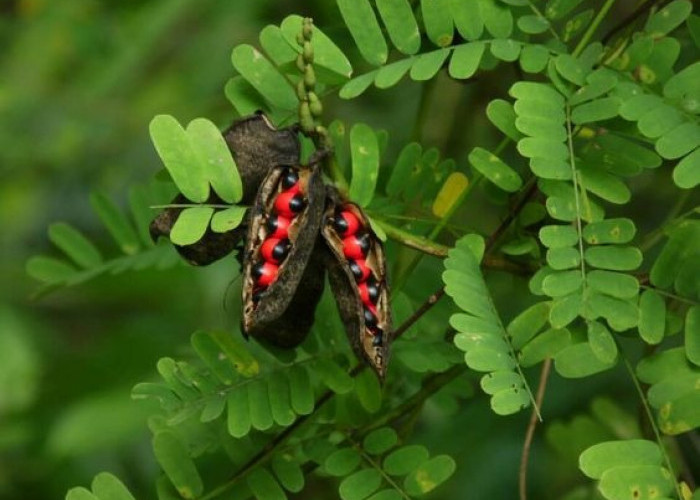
<point x="310" y="107"/>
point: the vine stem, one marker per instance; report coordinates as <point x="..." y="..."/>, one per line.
<point x="529" y="435"/>
<point x="592" y="28"/>
<point x="652" y="422"/>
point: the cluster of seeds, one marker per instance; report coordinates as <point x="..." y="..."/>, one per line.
<point x="290" y="201"/>
<point x="356" y="246"/>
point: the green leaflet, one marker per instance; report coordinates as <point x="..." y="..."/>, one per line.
<point x="481" y="333"/>
<point x="264" y="485"/>
<point x="364" y="151"/>
<point x="405" y="459"/>
<point x="429" y="474"/>
<point x="502" y="115"/>
<point x="668" y="18"/>
<point x="364" y="28"/>
<point x="196" y="157"/>
<point x="401" y="25"/>
<point x="467" y="20"/>
<point x="288" y="473"/>
<point x="75" y="245"/>
<point x="327" y="55"/>
<point x="104" y="486"/>
<point x="532" y="24"/>
<point x="264" y="77"/>
<point x="495" y="170"/>
<point x="534" y="58"/>
<point x="427" y="65"/>
<point x="438" y="21"/>
<point x="177" y="464"/>
<point x="466" y="59"/>
<point x="191" y="225"/>
<point x="579" y="360"/>
<point x="116" y="223"/>
<point x="596" y="460"/>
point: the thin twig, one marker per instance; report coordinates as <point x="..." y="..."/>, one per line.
<point x="525" y="457"/>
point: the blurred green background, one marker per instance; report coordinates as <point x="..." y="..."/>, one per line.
<point x="81" y="79"/>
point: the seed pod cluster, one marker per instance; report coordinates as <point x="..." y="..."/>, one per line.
<point x="357" y="273"/>
<point x="296" y="230"/>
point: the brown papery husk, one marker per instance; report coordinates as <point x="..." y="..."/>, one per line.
<point x="285" y="311"/>
<point x="257" y="147"/>
<point x="347" y="296"/>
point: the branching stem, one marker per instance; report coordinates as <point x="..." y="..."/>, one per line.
<point x="529" y="435"/>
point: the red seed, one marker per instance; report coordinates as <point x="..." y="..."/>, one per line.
<point x="359" y="270"/>
<point x="356" y="246"/>
<point x="275" y="250"/>
<point x="369" y="292"/>
<point x="265" y="273"/>
<point x="289" y="204"/>
<point x="346" y="223"/>
<point x="277" y="226"/>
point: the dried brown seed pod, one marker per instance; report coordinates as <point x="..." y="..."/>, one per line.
<point x="283" y="312"/>
<point x="369" y="334"/>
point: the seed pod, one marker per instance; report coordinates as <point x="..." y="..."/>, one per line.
<point x="257" y="146"/>
<point x="283" y="313"/>
<point x="368" y="326"/>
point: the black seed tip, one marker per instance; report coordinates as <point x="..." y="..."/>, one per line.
<point x="289" y="178"/>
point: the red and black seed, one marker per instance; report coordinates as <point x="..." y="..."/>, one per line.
<point x="277" y="226"/>
<point x="346" y="223"/>
<point x="289" y="204"/>
<point x="357" y="246"/>
<point x="264" y="273"/>
<point x="359" y="270"/>
<point x="369" y="291"/>
<point x="275" y="250"/>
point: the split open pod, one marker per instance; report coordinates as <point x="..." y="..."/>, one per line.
<point x="357" y="274"/>
<point x="283" y="264"/>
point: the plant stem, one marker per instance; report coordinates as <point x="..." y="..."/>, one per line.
<point x="525" y="457"/>
<point x="592" y="28"/>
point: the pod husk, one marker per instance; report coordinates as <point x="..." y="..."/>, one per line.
<point x="285" y="312"/>
<point x="257" y="146"/>
<point x="347" y="296"/>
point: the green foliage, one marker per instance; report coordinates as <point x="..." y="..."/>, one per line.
<point x="481" y="334"/>
<point x="586" y="122"/>
<point x="85" y="261"/>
